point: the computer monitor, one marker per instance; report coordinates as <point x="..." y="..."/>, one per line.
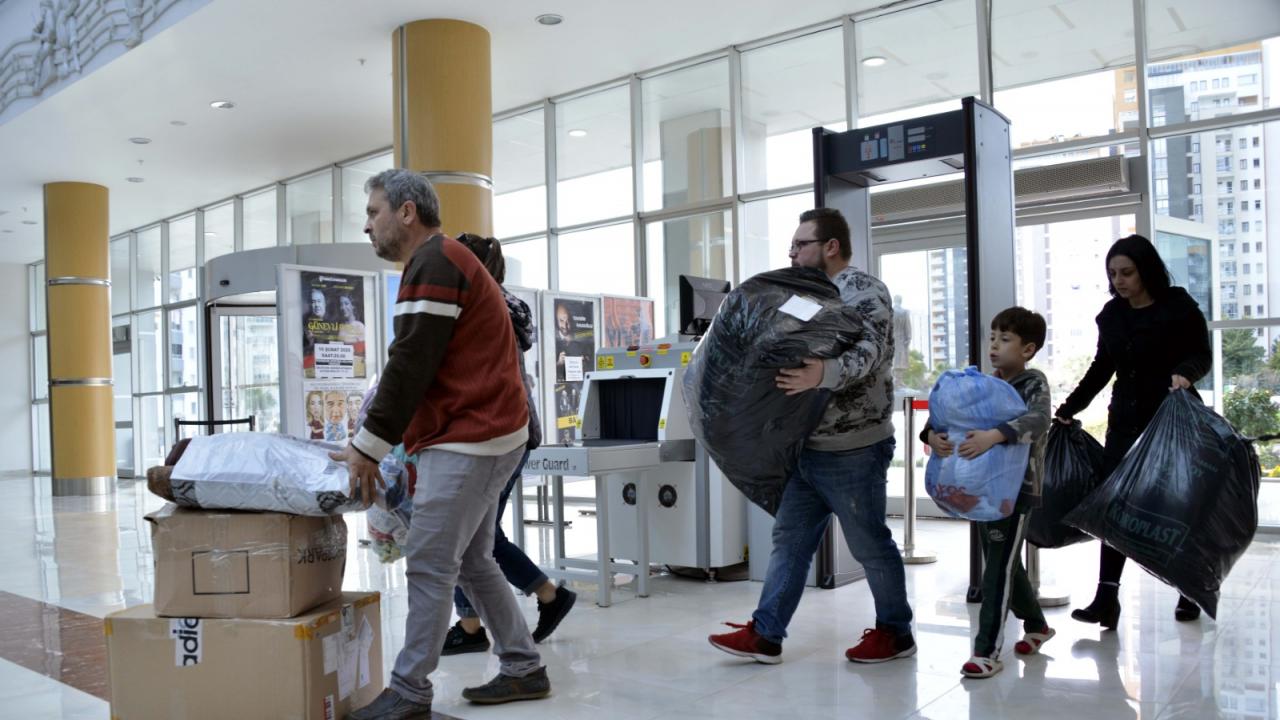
<point x="700" y="298"/>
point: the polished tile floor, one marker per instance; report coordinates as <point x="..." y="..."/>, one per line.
<point x="68" y="559"/>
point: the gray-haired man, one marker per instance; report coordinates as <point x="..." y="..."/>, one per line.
<point x="452" y="393"/>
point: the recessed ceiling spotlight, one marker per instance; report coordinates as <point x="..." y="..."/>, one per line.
<point x="549" y="19"/>
<point x="577" y="132"/>
<point x="140" y="140"/>
<point x="29" y="222"/>
<point x="135" y="179"/>
<point x="874" y="60"/>
<point x="222" y="104"/>
<point x="178" y="123"/>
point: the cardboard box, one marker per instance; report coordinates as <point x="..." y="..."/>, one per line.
<point x="230" y="564"/>
<point x="319" y="666"/>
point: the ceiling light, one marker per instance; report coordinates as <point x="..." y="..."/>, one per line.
<point x="211" y="235"/>
<point x="28" y="222"/>
<point x="874" y="60"/>
<point x="135" y="179"/>
<point x="140" y="140"/>
<point x="549" y="19"/>
<point x="178" y="123"/>
<point x="577" y="132"/>
<point x="222" y="104"/>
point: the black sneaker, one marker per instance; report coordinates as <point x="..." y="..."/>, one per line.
<point x="459" y="641"/>
<point x="550" y="614"/>
<point x="505" y="688"/>
<point x="390" y="705"/>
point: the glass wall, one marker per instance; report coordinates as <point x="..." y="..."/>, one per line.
<point x="219" y="230"/>
<point x="688" y="149"/>
<point x="121" y="285"/>
<point x="593" y="157"/>
<point x="520" y="175"/>
<point x="696" y="246"/>
<point x="182" y="259"/>
<point x="147" y="268"/>
<point x="354" y="197"/>
<point x="914" y="59"/>
<point x="599" y="260"/>
<point x="788" y="88"/>
<point x="261" y="223"/>
<point x="527" y="263"/>
<point x="309" y="203"/>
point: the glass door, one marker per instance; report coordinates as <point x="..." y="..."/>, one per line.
<point x="928" y="280"/>
<point x="245" y="366"/>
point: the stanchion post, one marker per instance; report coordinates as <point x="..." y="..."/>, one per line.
<point x="910" y="555"/>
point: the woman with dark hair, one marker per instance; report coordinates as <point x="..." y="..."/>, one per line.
<point x="468" y="635"/>
<point x="1153" y="338"/>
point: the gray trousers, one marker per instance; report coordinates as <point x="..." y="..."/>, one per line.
<point x="450" y="542"/>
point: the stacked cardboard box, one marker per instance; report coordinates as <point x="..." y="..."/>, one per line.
<point x="249" y="620"/>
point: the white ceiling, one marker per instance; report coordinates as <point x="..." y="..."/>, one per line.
<point x="304" y="98"/>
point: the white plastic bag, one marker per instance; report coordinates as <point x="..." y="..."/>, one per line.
<point x="262" y="471"/>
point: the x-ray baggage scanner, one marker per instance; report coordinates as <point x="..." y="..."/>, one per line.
<point x="658" y="496"/>
<point x="973" y="140"/>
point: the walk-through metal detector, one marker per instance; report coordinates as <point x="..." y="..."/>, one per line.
<point x="973" y="140"/>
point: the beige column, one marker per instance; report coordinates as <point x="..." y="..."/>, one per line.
<point x="443" y="116"/>
<point x="77" y="265"/>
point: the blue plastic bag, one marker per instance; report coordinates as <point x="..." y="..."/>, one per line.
<point x="986" y="487"/>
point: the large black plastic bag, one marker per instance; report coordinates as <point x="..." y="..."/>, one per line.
<point x="1072" y="463"/>
<point x="753" y="430"/>
<point x="1184" y="501"/>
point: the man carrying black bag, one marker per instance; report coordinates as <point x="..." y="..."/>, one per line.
<point x="842" y="469"/>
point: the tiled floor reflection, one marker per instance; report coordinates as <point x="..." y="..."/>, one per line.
<point x="648" y="658"/>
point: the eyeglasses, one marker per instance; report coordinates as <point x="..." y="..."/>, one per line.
<point x="797" y="244"/>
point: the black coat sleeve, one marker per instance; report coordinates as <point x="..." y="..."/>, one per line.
<point x="1197" y="356"/>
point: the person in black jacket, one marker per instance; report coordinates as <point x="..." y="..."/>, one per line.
<point x="1153" y="338"/>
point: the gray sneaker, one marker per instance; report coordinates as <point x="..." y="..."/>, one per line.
<point x="390" y="705"/>
<point x="505" y="688"/>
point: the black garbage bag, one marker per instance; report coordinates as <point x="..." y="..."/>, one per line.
<point x="1072" y="463"/>
<point x="753" y="430"/>
<point x="1184" y="501"/>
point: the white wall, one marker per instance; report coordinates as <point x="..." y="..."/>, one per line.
<point x="15" y="358"/>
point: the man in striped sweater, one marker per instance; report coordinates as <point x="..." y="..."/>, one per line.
<point x="452" y="393"/>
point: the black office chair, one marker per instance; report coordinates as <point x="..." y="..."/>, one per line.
<point x="208" y="425"/>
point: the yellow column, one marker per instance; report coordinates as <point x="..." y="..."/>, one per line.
<point x="443" y="117"/>
<point x="77" y="265"/>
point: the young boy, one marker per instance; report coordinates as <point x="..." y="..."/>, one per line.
<point x="1016" y="335"/>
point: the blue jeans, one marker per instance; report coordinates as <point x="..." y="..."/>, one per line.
<point x="515" y="565"/>
<point x="850" y="484"/>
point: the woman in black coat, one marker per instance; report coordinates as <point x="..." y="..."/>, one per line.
<point x="1153" y="338"/>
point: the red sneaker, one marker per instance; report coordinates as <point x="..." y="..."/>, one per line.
<point x="746" y="642"/>
<point x="879" y="646"/>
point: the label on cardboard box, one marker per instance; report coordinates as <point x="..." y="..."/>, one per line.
<point x="187" y="635"/>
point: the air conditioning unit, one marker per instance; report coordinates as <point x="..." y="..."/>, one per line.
<point x="1079" y="180"/>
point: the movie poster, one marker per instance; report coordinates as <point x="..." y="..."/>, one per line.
<point x="575" y="354"/>
<point x="332" y="408"/>
<point x="627" y="322"/>
<point x="333" y="331"/>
